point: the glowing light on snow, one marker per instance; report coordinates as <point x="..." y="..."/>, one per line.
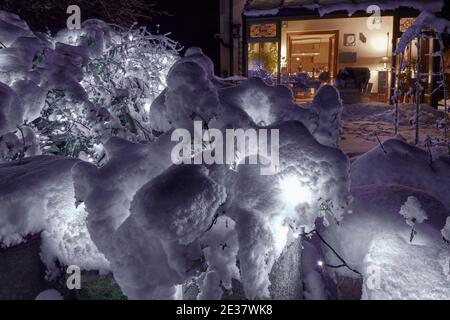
<point x="280" y="233"/>
<point x="293" y="191"/>
<point x="320" y="263"/>
<point x="147" y="105"/>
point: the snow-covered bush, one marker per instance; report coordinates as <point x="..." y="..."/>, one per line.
<point x="253" y="103"/>
<point x="81" y="87"/>
<point x="162" y="225"/>
<point x="37" y="195"/>
<point x="67" y="95"/>
<point x="446" y="230"/>
<point x="375" y="240"/>
<point x="403" y="164"/>
<point x="328" y="105"/>
<point x="413" y="213"/>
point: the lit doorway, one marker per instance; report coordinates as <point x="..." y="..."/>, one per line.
<point x="311" y="61"/>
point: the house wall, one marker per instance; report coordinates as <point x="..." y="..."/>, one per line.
<point x="238" y="7"/>
<point x="369" y="54"/>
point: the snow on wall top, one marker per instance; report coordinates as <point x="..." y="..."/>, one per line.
<point x="271" y="7"/>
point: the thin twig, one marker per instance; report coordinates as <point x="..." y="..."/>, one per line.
<point x="381" y="145"/>
<point x="344" y="263"/>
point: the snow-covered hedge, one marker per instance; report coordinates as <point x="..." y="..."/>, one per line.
<point x="78" y="88"/>
<point x="37" y="195"/>
<point x="162" y="225"/>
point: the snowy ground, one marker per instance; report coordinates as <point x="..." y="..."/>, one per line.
<point x="364" y="122"/>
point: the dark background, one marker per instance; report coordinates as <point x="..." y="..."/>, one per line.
<point x="190" y="22"/>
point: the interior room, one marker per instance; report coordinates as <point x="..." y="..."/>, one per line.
<point x="317" y="50"/>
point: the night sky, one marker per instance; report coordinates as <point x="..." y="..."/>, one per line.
<point x="192" y="23"/>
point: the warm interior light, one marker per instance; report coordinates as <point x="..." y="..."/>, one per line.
<point x="293" y="191"/>
<point x="379" y="43"/>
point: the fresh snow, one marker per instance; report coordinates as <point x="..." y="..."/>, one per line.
<point x="397" y="162"/>
<point x="407" y="272"/>
<point x="413" y="212"/>
<point x="375" y="237"/>
<point x="37" y="195"/>
<point x="138" y="197"/>
<point x="364" y="122"/>
<point x="158" y="226"/>
<point x="50" y="294"/>
<point x="446" y="230"/>
<point x="270" y="7"/>
<point x="423" y="21"/>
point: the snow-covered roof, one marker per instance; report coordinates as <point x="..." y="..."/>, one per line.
<point x="272" y="7"/>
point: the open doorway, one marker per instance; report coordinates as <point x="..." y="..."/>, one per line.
<point x="311" y="61"/>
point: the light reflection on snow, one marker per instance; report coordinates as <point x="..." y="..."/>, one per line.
<point x="294" y="192"/>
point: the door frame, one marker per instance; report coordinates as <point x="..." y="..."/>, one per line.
<point x="311" y="33"/>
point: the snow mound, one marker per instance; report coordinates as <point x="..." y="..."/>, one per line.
<point x="405" y="165"/>
<point x="375" y="237"/>
<point x="138" y="197"/>
<point x="107" y="192"/>
<point x="220" y="255"/>
<point x="37" y="195"/>
<point x="328" y="105"/>
<point x="177" y="209"/>
<point x="267" y="104"/>
<point x="50" y="294"/>
<point x="413" y="212"/>
<point x="11" y="111"/>
<point x="407" y="272"/>
<point x="270" y="211"/>
<point x="159" y="214"/>
<point x="192" y="94"/>
<point x="136" y="200"/>
<point x="446" y="231"/>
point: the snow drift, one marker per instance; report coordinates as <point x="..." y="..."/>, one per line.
<point x="37" y="195"/>
<point x="403" y="164"/>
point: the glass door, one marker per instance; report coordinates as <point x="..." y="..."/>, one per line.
<point x="263" y="50"/>
<point x="263" y="61"/>
<point x="311" y="61"/>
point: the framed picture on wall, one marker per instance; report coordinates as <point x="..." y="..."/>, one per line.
<point x="349" y="40"/>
